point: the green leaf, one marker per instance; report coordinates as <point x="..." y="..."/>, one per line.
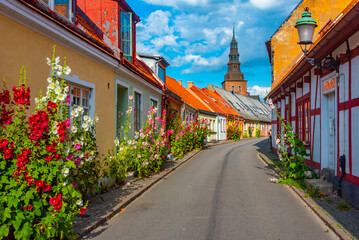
<point x="6" y="214"/>
<point x="4" y="231"/>
<point x="292" y="165"/>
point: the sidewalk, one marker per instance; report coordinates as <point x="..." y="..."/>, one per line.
<point x="103" y="207"/>
<point x="344" y="223"/>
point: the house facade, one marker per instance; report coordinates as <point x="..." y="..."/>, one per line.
<point x="255" y="114"/>
<point x="321" y="102"/>
<point x="32" y="29"/>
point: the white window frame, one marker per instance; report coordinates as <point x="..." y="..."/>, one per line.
<point x="51" y="4"/>
<point x="75" y="81"/>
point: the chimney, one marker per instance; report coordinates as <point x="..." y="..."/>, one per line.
<point x="180" y="82"/>
<point x="189" y="84"/>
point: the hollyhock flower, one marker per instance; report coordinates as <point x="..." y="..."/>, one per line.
<point x="145" y="163"/>
<point x="83" y="211"/>
<point x="48" y="158"/>
<point x="277" y="141"/>
<point x="46" y="187"/>
<point x="51" y="107"/>
<point x="65" y="171"/>
<point x="77" y="162"/>
<point x="75" y="113"/>
<point x="77" y="146"/>
<point x="3" y="143"/>
<point x="74" y="184"/>
<point x="73" y="129"/>
<point x="28" y="179"/>
<point x="69" y="157"/>
<point x="130" y="97"/>
<point x="117" y="142"/>
<point x="79" y="202"/>
<point x="138" y="155"/>
<point x="56" y="202"/>
<point x="39" y="183"/>
<point x="21" y="95"/>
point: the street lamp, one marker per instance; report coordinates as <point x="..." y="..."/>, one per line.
<point x="305" y="27"/>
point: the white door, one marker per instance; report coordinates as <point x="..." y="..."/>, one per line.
<point x="331" y="130"/>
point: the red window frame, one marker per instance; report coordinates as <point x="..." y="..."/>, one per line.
<point x="303" y="120"/>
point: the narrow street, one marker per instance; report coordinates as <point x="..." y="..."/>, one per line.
<point x="221" y="193"/>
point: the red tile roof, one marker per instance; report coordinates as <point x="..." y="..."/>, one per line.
<point x="186" y="95"/>
<point x="207" y="100"/>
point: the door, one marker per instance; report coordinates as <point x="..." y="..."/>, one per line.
<point x="331" y="130"/>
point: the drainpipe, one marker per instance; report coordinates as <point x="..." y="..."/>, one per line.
<point x="342" y="166"/>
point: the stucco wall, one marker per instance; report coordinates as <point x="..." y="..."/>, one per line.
<point x="20" y="46"/>
<point x="284" y="42"/>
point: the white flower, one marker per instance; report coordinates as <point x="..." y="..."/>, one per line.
<point x="130" y="97"/>
<point x="87" y="118"/>
<point x="79" y="202"/>
<point x="129" y="142"/>
<point x="85" y="126"/>
<point x="54" y="129"/>
<point x="65" y="183"/>
<point x="117" y="142"/>
<point x="96" y="119"/>
<point x="82" y="138"/>
<point x="74" y="129"/>
<point x="62" y="97"/>
<point x="58" y="90"/>
<point x="75" y="113"/>
<point x="48" y="61"/>
<point x="52" y="85"/>
<point x="57" y="60"/>
<point x="65" y="171"/>
<point x="49" y="80"/>
<point x="67" y="70"/>
<point x="80" y="110"/>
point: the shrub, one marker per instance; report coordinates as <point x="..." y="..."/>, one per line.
<point x="258" y="132"/>
<point x="43" y="166"/>
<point x="233" y="132"/>
<point x="250" y="132"/>
<point x="245" y="134"/>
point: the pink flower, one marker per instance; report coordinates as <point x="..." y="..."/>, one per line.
<point x="138" y="155"/>
<point x="144" y="163"/>
<point x="130" y="97"/>
<point x="77" y="146"/>
<point x="74" y="184"/>
<point x="78" y="161"/>
<point x="69" y="157"/>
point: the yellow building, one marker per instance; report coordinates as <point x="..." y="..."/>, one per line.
<point x="27" y="37"/>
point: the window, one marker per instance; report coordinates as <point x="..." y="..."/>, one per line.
<point x="137" y="112"/>
<point x="61" y="6"/>
<point x="303" y="120"/>
<point x="126" y="35"/>
<point x="161" y="73"/>
<point x="239" y="89"/>
<point x="79" y="96"/>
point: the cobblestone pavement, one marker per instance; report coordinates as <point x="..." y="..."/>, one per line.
<point x="346" y="221"/>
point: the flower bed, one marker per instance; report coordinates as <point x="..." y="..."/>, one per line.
<point x="45" y="167"/>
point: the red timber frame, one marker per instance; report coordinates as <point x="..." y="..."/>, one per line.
<point x="348" y="105"/>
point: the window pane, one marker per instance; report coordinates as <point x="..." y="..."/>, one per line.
<point x="161" y="73"/>
<point x="126" y="34"/>
<point x="62" y="6"/>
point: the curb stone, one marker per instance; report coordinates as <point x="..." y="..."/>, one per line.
<point x="339" y="230"/>
<point x="129" y="199"/>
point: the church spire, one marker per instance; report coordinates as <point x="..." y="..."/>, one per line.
<point x="234" y="34"/>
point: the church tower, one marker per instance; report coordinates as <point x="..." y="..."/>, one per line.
<point x="234" y="78"/>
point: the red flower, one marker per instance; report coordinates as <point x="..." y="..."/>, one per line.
<point x="29" y="180"/>
<point x="21" y="95"/>
<point x="50" y="148"/>
<point x="29" y="207"/>
<point x="7" y="153"/>
<point x="46" y="187"/>
<point x="82" y="211"/>
<point x="51" y="107"/>
<point x="56" y="202"/>
<point x="5" y="97"/>
<point x="3" y="143"/>
<point x="48" y="158"/>
<point x="39" y="183"/>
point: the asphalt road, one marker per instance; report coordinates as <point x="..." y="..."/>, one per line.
<point x="221" y="193"/>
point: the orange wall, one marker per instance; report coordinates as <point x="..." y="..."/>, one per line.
<point x="284" y="42"/>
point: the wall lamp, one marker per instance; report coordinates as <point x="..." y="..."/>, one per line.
<point x="305" y="27"/>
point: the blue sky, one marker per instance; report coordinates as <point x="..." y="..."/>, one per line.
<point x="194" y="37"/>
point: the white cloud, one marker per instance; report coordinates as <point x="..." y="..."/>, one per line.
<point x="177" y="3"/>
<point x="266" y="4"/>
<point x="257" y="90"/>
<point x="168" y="40"/>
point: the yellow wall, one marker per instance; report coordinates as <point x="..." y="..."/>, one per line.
<point x="20" y="46"/>
<point x="284" y="42"/>
<point x="208" y="117"/>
